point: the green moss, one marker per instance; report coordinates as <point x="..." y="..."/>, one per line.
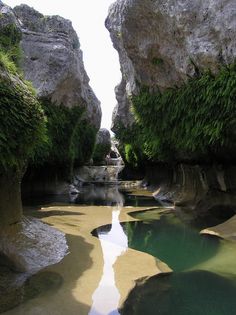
<point x="10" y="37"/>
<point x="22" y="125"/>
<point x="71" y="138"/>
<point x="131" y="143"/>
<point x="83" y="142"/>
<point x="157" y="61"/>
<point x="130" y="155"/>
<point x="101" y="151"/>
<point x="193" y="122"/>
<point x="67" y="139"/>
<point x="7" y="64"/>
<point x="195" y="119"/>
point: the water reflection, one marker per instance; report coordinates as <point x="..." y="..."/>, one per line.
<point x="170" y="240"/>
<point x="114" y="243"/>
<point x="107" y="195"/>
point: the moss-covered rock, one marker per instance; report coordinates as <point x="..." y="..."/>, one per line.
<point x="22" y="128"/>
<point x="192" y="123"/>
<point x="22" y="125"/>
<point x="71" y="138"/>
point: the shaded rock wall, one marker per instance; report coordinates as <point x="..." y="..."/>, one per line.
<point x="194" y="188"/>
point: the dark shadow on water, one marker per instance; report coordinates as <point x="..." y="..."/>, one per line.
<point x="93" y="195"/>
<point x="185" y="293"/>
<point x="41" y="283"/>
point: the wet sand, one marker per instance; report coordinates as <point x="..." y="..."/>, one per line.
<point x="82" y="269"/>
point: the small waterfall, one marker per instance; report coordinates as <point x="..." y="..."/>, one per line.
<point x="107" y="173"/>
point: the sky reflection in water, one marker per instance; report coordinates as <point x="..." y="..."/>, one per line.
<point x="114" y="243"/>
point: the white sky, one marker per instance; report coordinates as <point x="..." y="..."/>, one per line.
<point x="100" y="58"/>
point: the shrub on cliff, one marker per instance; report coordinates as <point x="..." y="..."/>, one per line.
<point x="101" y="151"/>
<point x="131" y="144"/>
<point x="193" y="121"/>
<point x="22" y="125"/>
<point x="10" y="37"/>
<point x="71" y="138"/>
<point x="22" y="118"/>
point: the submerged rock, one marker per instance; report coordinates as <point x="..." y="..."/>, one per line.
<point x="53" y="61"/>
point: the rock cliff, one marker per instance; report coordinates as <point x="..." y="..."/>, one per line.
<point x="53" y="61"/>
<point x="163" y="43"/>
<point x="176" y="98"/>
<point x="50" y="128"/>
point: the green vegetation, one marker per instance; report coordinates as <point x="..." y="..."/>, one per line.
<point x="71" y="138"/>
<point x="100" y="152"/>
<point x="10" y="51"/>
<point x="7" y="64"/>
<point x="44" y="134"/>
<point x="131" y="143"/>
<point x="157" y="61"/>
<point x="22" y="125"/>
<point x="10" y="37"/>
<point x="193" y="122"/>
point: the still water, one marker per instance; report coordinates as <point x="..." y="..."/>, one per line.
<point x="122" y="249"/>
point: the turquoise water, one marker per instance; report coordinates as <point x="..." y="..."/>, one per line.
<point x="203" y="281"/>
<point x="170" y="240"/>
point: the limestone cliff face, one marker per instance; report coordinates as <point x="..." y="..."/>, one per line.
<point x="161" y="43"/>
<point x="53" y="61"/>
<point x="7" y="16"/>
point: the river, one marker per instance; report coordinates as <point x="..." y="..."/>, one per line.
<point x="128" y="254"/>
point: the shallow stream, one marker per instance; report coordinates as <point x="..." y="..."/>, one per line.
<point x="122" y="249"/>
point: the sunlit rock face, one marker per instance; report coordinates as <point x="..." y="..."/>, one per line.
<point x="25" y="248"/>
<point x="161" y="43"/>
<point x="53" y="61"/>
<point x="31" y="245"/>
<point x="121" y="113"/>
<point x="8" y="17"/>
<point x="103" y="137"/>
